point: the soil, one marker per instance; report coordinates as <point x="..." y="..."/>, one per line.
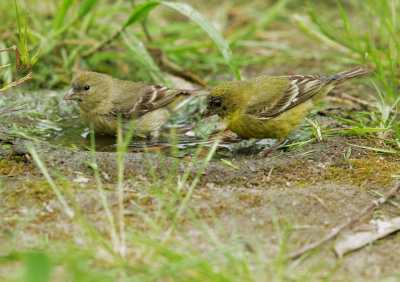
<point x="309" y="193"/>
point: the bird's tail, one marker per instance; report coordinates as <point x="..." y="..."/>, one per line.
<point x="195" y="93"/>
<point x="354" y="72"/>
<point x="344" y="75"/>
<point x="190" y="95"/>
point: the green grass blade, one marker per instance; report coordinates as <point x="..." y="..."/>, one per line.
<point x="397" y="130"/>
<point x="38" y="267"/>
<point x="379" y="150"/>
<point x="25" y="38"/>
<point x="313" y="30"/>
<point x="272" y="12"/>
<point x="349" y="121"/>
<point x="6" y="74"/>
<point x="18" y="21"/>
<point x="136" y="47"/>
<point x="208" y="27"/>
<point x="228" y="163"/>
<point x="32" y="151"/>
<point x="363" y="130"/>
<point x="85" y="7"/>
<point x="61" y="12"/>
<point x="140" y="12"/>
<point x="35" y="58"/>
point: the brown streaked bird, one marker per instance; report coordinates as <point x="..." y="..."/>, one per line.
<point x="145" y="107"/>
<point x="272" y="106"/>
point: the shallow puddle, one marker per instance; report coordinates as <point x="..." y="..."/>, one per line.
<point x="45" y="116"/>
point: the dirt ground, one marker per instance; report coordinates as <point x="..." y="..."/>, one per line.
<point x="311" y="193"/>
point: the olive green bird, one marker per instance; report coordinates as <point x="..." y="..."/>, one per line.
<point x="272" y="106"/>
<point x="143" y="107"/>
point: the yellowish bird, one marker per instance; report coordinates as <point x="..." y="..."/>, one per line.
<point x="143" y="107"/>
<point x="272" y="106"/>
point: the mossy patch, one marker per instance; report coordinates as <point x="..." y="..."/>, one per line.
<point x="35" y="191"/>
<point x="373" y="169"/>
<point x="11" y="166"/>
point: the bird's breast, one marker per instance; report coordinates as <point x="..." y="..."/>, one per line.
<point x="101" y="123"/>
<point x="253" y="127"/>
<point x="278" y="127"/>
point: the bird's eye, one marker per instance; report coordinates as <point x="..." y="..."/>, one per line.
<point x="86" y="87"/>
<point x="218" y="104"/>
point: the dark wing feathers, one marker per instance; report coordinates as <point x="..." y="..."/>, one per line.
<point x="301" y="88"/>
<point x="154" y="96"/>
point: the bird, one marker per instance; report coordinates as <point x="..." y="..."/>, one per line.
<point x="272" y="106"/>
<point x="142" y="107"/>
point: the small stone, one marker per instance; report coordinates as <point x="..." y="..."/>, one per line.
<point x="19" y="148"/>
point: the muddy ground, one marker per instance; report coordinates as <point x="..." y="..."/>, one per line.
<point x="310" y="193"/>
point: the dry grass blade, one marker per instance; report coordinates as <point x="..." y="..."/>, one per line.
<point x="362" y="102"/>
<point x="351" y="221"/>
<point x="15" y="83"/>
<point x="10" y="109"/>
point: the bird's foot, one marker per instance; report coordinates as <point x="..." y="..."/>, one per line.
<point x="154" y="136"/>
<point x="277" y="144"/>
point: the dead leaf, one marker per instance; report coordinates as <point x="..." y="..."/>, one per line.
<point x="375" y="230"/>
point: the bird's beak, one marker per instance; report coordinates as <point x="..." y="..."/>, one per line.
<point x="207" y="113"/>
<point x="70" y="95"/>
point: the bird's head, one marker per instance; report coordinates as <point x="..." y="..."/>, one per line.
<point x="88" y="86"/>
<point x="225" y="99"/>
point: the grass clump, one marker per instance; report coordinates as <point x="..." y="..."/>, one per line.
<point x="368" y="38"/>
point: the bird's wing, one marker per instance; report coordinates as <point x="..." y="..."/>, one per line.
<point x="151" y="97"/>
<point x="298" y="88"/>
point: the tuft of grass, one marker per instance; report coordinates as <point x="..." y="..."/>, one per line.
<point x="370" y="38"/>
<point x="22" y="57"/>
<point x="73" y="37"/>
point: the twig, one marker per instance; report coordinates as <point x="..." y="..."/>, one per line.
<point x="362" y="102"/>
<point x="10" y="174"/>
<point x="15" y="83"/>
<point x="145" y="30"/>
<point x="12" y="108"/>
<point x="351" y="221"/>
<point x="5" y="66"/>
<point x="174" y="69"/>
<point x="17" y="55"/>
<point x="393" y="203"/>
<point x="8" y="49"/>
<point x="269" y="175"/>
<point x="320" y="201"/>
<point x="102" y="44"/>
<point x="354" y="99"/>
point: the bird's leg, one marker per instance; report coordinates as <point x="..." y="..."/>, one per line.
<point x="277" y="144"/>
<point x="227" y="136"/>
<point x="215" y="133"/>
<point x="233" y="139"/>
<point x="154" y="135"/>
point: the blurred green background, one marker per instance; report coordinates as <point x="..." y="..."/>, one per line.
<point x="266" y="37"/>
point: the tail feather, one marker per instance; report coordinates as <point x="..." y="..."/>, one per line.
<point x="194" y="93"/>
<point x="344" y="75"/>
<point x="191" y="94"/>
<point x="354" y="72"/>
